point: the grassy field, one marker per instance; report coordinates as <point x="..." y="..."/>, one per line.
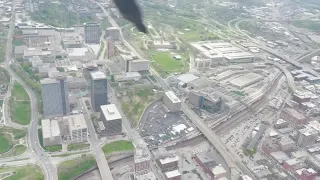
<point x="72" y="168"/>
<point x="197" y="35"/>
<point x="167" y="62"/>
<point x="136" y="100"/>
<point x="20" y="112"/>
<point x="5" y="143"/>
<point x="15" y="151"/>
<point x="307" y="24"/>
<point x="23" y="173"/>
<point x="17" y="133"/>
<point x="20" y="108"/>
<point x="117" y="146"/>
<point x="4" y="76"/>
<point x="19" y="92"/>
<point x="72" y="147"/>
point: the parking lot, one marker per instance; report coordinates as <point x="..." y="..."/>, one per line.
<point x="157" y="125"/>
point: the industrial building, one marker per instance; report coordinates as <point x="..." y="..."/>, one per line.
<point x="112" y="33"/>
<point x="77" y="127"/>
<point x="142" y="159"/>
<point x="214" y="170"/>
<point x="245" y="80"/>
<point x="55" y="96"/>
<point x="71" y="41"/>
<point x="129" y="63"/>
<point x="50" y="132"/>
<point x="172" y="101"/>
<point x="219" y="53"/>
<point x="98" y="90"/>
<point x="169" y="162"/>
<point x="92" y="33"/>
<point x="173" y="175"/>
<point x="111" y="119"/>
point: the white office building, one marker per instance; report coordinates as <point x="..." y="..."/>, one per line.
<point x="172" y="101"/>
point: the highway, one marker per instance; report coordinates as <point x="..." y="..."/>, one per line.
<point x="94" y="143"/>
<point x="33" y="141"/>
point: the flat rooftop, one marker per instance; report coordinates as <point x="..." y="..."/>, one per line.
<point x="98" y="75"/>
<point x="172" y="174"/>
<point x="173" y="98"/>
<point x="244" y="80"/>
<point x="110" y="112"/>
<point x="169" y="159"/>
<point x="50" y="128"/>
<point x="76" y="121"/>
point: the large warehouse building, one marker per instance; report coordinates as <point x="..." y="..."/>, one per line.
<point x="245" y="80"/>
<point x="50" y="132"/>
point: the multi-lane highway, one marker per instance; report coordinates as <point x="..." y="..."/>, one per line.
<point x="102" y="163"/>
<point x="33" y="142"/>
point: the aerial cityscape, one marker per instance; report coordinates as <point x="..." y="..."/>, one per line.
<point x="201" y="90"/>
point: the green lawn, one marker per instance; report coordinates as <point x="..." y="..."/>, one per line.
<point x="19" y="92"/>
<point x="193" y="36"/>
<point x="78" y="146"/>
<point x="20" y="112"/>
<point x="15" y="151"/>
<point x="5" y="143"/>
<point x="30" y="172"/>
<point x="136" y="100"/>
<point x="117" y="146"/>
<point x="18" y="42"/>
<point x="167" y="62"/>
<point x="105" y="24"/>
<point x="72" y="168"/>
<point x="17" y="133"/>
<point x="307" y="24"/>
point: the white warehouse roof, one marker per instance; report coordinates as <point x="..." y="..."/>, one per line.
<point x="50" y="128"/>
<point x="172" y="174"/>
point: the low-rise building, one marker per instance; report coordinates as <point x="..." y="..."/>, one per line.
<point x="307" y="137"/>
<point x="293" y="117"/>
<point x="286" y="144"/>
<point x="148" y="176"/>
<point x="50" y="132"/>
<point x="219" y="172"/>
<point x="169" y="162"/>
<point x="77" y="127"/>
<point x="142" y="159"/>
<point x="173" y="175"/>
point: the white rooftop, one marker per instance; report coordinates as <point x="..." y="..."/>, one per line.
<point x="218" y="170"/>
<point x="172" y="174"/>
<point x="98" y="75"/>
<point x="110" y="112"/>
<point x="179" y="128"/>
<point x="50" y="128"/>
<point x="187" y="78"/>
<point x="172" y="97"/>
<point x="148" y="176"/>
<point x="169" y="159"/>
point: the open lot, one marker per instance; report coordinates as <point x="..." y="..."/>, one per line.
<point x="17" y="133"/>
<point x="20" y="109"/>
<point x="78" y="146"/>
<point x="72" y="168"/>
<point x="117" y="146"/>
<point x="5" y="143"/>
<point x="167" y="62"/>
<point x="22" y="173"/>
<point x="135" y="99"/>
<point x="19" y="93"/>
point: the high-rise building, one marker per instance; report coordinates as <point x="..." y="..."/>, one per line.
<point x="55" y="96"/>
<point x="113" y="33"/>
<point x="111" y="119"/>
<point x="110" y="48"/>
<point x="92" y="33"/>
<point x="99" y="90"/>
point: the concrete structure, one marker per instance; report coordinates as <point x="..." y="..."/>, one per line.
<point x="219" y="172"/>
<point x="135" y="76"/>
<point x="55" y="96"/>
<point x="281" y="124"/>
<point x="139" y="65"/>
<point x="111" y="119"/>
<point x="169" y="162"/>
<point x="210" y="102"/>
<point x="142" y="159"/>
<point x="293" y="117"/>
<point x="98" y="90"/>
<point x="112" y="33"/>
<point x="110" y="48"/>
<point x="148" y="176"/>
<point x="50" y="132"/>
<point x="307" y="137"/>
<point x="173" y="175"/>
<point x="71" y="41"/>
<point x="286" y="144"/>
<point x="77" y="127"/>
<point x="172" y="101"/>
<point x="245" y="80"/>
<point x="92" y="33"/>
<point x="206" y="163"/>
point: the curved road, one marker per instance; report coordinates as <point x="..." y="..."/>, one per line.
<point x="33" y="141"/>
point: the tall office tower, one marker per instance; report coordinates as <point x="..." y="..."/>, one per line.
<point x="111" y="118"/>
<point x="110" y="47"/>
<point x="113" y="33"/>
<point x="55" y="96"/>
<point x="92" y="33"/>
<point x="99" y="90"/>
